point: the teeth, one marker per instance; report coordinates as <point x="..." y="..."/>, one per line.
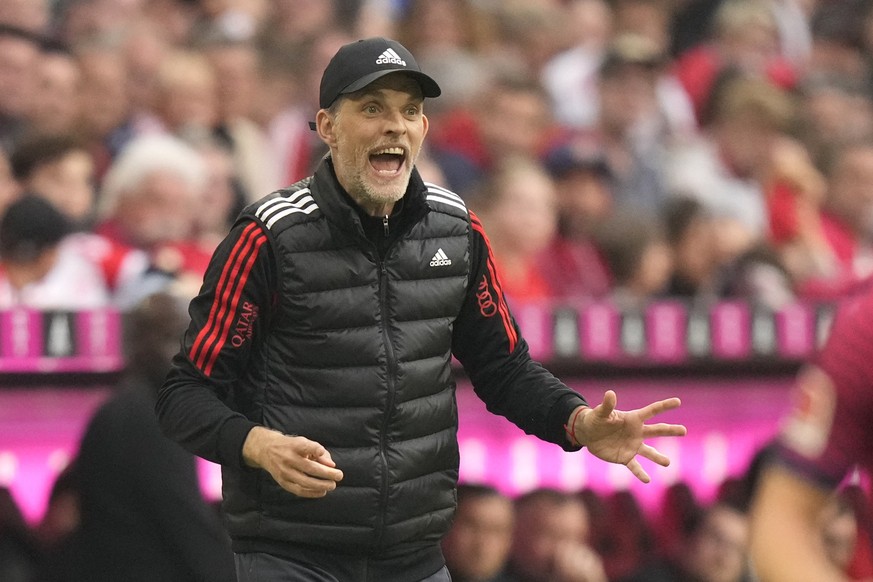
<point x="393" y="151"/>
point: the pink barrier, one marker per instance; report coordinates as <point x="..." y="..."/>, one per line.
<point x="727" y="422"/>
<point x="60" y="342"/>
<point x="664" y="333"/>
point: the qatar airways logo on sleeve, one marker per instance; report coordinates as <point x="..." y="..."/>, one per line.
<point x="242" y="331"/>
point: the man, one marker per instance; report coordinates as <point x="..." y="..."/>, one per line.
<point x="827" y="433"/>
<point x="717" y="550"/>
<point x="478" y="543"/>
<point x="143" y="517"/>
<point x="551" y="540"/>
<point x="316" y="369"/>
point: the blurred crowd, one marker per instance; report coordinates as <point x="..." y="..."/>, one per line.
<point x="542" y="535"/>
<point x="614" y="149"/>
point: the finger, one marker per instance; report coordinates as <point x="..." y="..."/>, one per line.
<point x="319" y="470"/>
<point x="638" y="471"/>
<point x="326" y="459"/>
<point x="300" y="480"/>
<point x="654" y="455"/>
<point x="605" y="408"/>
<point x="658" y="407"/>
<point x="663" y="429"/>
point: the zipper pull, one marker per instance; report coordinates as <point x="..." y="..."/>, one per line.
<point x="385" y="224"/>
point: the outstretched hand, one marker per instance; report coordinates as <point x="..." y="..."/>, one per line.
<point x="618" y="436"/>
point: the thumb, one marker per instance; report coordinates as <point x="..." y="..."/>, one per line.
<point x="605" y="408"/>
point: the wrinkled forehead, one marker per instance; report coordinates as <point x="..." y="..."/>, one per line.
<point x="392" y="82"/>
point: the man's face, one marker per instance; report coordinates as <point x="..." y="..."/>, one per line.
<point x="477" y="545"/>
<point x="375" y="136"/>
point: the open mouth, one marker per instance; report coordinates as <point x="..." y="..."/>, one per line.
<point x="388" y="160"/>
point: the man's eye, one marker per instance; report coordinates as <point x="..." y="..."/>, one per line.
<point x="371" y="109"/>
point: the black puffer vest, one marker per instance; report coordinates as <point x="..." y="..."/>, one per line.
<point x="358" y="359"/>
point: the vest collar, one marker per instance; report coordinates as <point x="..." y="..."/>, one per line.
<point x="335" y="202"/>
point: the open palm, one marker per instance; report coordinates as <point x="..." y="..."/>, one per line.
<point x="619" y="436"/>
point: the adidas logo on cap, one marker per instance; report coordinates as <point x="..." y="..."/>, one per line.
<point x="390" y="57"/>
<point x="440" y="259"/>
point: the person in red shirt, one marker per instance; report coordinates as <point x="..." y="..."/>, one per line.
<point x="827" y="433"/>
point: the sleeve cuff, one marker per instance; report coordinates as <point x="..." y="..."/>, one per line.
<point x="558" y="415"/>
<point x="230" y="441"/>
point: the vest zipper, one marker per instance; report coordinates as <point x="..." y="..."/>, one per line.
<point x="389" y="404"/>
<point x="385" y="225"/>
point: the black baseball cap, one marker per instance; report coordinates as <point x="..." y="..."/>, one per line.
<point x="359" y="63"/>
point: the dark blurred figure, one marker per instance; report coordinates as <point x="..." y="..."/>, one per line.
<point x="551" y="540"/>
<point x="477" y="545"/>
<point x="717" y="550"/>
<point x="19" y="552"/>
<point x="627" y="541"/>
<point x="143" y="517"/>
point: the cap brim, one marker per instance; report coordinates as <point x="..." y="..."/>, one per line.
<point x="429" y="87"/>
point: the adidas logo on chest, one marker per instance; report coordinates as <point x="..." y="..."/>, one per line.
<point x="440" y="259"/>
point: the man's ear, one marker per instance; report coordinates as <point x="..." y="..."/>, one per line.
<point x="325" y="127"/>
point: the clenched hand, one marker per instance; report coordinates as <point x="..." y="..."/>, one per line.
<point x="299" y="465"/>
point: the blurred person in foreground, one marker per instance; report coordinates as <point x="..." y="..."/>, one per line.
<point x="551" y="540"/>
<point x="825" y="435"/>
<point x="143" y="517"/>
<point x="317" y="366"/>
<point x="477" y="545"/>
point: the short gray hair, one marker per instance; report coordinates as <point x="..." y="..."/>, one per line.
<point x="147" y="155"/>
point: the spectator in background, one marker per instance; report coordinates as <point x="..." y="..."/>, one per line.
<point x="691" y="234"/>
<point x="509" y="118"/>
<point x="56" y="104"/>
<point x="517" y="204"/>
<point x="19" y="57"/>
<point x="477" y="545"/>
<point x="638" y="257"/>
<point x="186" y="94"/>
<point x="573" y="264"/>
<point x="44" y="266"/>
<point x="631" y="126"/>
<point x="283" y="114"/>
<point x="9" y="186"/>
<point x="717" y="550"/>
<point x="222" y="197"/>
<point x="59" y="168"/>
<point x="143" y="517"/>
<point x="571" y="77"/>
<point x="835" y="109"/>
<point x="841" y="40"/>
<point x="627" y="541"/>
<point x="236" y="64"/>
<point x="745" y="38"/>
<point x="728" y="166"/>
<point x="145" y="45"/>
<point x="149" y="200"/>
<point x="108" y="121"/>
<point x="551" y="540"/>
<point x="846" y="224"/>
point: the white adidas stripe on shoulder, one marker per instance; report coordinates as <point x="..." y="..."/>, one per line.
<point x="277" y="208"/>
<point x="441" y="195"/>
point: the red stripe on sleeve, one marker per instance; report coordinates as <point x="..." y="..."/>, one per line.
<point x="502" y="308"/>
<point x="219" y="303"/>
<point x="240" y="284"/>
